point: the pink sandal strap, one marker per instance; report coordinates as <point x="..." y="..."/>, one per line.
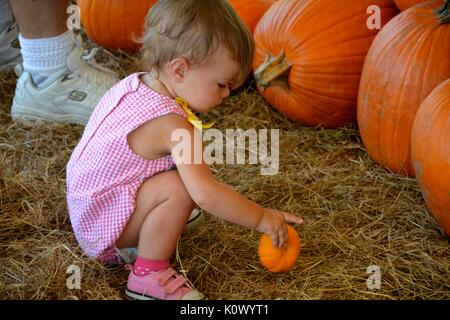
<point x="165" y="284"/>
<point x="175" y="284"/>
<point x="165" y="276"/>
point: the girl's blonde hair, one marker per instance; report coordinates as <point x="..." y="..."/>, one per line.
<point x="195" y="29"/>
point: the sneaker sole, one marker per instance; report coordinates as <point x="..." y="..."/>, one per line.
<point x="193" y="295"/>
<point x="137" y="296"/>
<point x="28" y="115"/>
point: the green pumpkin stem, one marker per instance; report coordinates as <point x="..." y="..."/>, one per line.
<point x="273" y="71"/>
<point x="444" y="13"/>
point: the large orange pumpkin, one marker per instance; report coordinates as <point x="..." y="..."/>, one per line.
<point x="430" y="152"/>
<point x="279" y="259"/>
<point x="114" y="24"/>
<point x="251" y="11"/>
<point x="405" y="4"/>
<point x="408" y="59"/>
<point x="309" y="57"/>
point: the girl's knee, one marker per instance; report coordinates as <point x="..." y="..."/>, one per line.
<point x="179" y="193"/>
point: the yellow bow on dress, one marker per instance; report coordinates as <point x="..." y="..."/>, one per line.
<point x="191" y="117"/>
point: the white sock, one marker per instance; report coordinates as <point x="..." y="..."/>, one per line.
<point x="46" y="57"/>
<point x="6" y="16"/>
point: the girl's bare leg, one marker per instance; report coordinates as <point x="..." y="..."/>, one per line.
<point x="163" y="206"/>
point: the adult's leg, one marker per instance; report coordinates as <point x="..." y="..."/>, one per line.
<point x="9" y="47"/>
<point x="5" y="14"/>
<point x="56" y="83"/>
<point x="44" y="39"/>
<point x="40" y="18"/>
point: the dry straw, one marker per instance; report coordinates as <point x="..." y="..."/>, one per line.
<point x="356" y="215"/>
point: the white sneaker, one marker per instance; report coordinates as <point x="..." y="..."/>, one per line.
<point x="9" y="47"/>
<point x="69" y="97"/>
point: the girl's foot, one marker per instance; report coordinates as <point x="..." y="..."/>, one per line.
<point x="160" y="285"/>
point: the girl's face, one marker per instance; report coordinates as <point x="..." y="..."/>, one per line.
<point x="205" y="85"/>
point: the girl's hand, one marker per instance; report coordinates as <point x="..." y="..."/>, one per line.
<point x="274" y="225"/>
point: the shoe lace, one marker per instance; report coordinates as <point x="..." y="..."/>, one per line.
<point x="93" y="72"/>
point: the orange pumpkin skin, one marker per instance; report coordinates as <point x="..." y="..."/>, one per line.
<point x="399" y="72"/>
<point x="326" y="43"/>
<point x="430" y="152"/>
<point x="114" y="23"/>
<point x="279" y="259"/>
<point x="405" y="4"/>
<point x="251" y="11"/>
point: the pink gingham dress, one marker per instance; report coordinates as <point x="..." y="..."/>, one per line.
<point x="104" y="174"/>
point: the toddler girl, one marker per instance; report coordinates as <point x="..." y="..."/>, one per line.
<point x="121" y="190"/>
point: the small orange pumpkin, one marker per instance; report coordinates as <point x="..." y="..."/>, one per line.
<point x="114" y="24"/>
<point x="279" y="259"/>
<point x="430" y="152"/>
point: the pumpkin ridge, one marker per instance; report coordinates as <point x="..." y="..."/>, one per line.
<point x="329" y="59"/>
<point x="396" y="128"/>
<point x="405" y="4"/>
<point x="332" y="45"/>
<point x="310" y="109"/>
<point x="374" y="65"/>
<point x="307" y="93"/>
<point x="125" y="16"/>
<point x="434" y="131"/>
<point x="432" y="123"/>
<point x="330" y="73"/>
<point x="88" y="13"/>
<point x="321" y="94"/>
<point x="384" y="141"/>
<point x="404" y="166"/>
<point x="111" y="39"/>
<point x="291" y="17"/>
<point x="96" y="24"/>
<point x="333" y="25"/>
<point x="430" y="33"/>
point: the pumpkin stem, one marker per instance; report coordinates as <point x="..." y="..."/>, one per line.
<point x="444" y="13"/>
<point x="273" y="71"/>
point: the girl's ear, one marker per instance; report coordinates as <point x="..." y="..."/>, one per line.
<point x="178" y="68"/>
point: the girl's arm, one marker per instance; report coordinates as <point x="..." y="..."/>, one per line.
<point x="218" y="198"/>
